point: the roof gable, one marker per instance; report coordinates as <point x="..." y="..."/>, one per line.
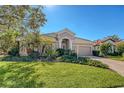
<point x="54" y="34"/>
<point x="66" y="30"/>
<point x="109" y="39"/>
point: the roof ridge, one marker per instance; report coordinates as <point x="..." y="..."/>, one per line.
<point x="66" y="29"/>
<point x="84" y="39"/>
<point x="59" y="31"/>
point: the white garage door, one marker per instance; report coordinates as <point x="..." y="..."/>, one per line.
<point x="84" y="51"/>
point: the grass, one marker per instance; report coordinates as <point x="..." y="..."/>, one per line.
<point x="56" y="75"/>
<point x="119" y="58"/>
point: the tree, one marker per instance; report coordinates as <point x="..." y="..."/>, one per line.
<point x="105" y="48"/>
<point x="15" y="17"/>
<point x="8" y="40"/>
<point x="22" y="19"/>
<point x="11" y="17"/>
<point x="120" y="47"/>
<point x="115" y="37"/>
<point x="37" y="42"/>
<point x="46" y="43"/>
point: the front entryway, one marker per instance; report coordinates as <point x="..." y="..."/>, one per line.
<point x="65" y="44"/>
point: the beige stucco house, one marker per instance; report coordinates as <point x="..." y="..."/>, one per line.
<point x="66" y="39"/>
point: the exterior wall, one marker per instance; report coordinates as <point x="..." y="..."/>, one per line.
<point x="65" y="35"/>
<point x="75" y="43"/>
<point x="83" y="46"/>
<point x="74" y="48"/>
<point x="23" y="51"/>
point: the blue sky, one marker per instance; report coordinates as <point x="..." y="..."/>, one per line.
<point x="89" y="22"/>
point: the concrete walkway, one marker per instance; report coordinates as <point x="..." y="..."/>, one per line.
<point x="117" y="66"/>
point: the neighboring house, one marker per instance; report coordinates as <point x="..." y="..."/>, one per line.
<point x="66" y="39"/>
<point x="98" y="43"/>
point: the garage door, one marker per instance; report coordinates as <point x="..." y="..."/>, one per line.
<point x="84" y="51"/>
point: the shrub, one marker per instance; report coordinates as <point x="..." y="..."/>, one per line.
<point x="73" y="59"/>
<point x="34" y="55"/>
<point x="114" y="54"/>
<point x="96" y="52"/>
<point x="14" y="52"/>
<point x="120" y="47"/>
<point x="81" y="60"/>
<point x="73" y="54"/>
<point x="123" y="54"/>
<point x="105" y="48"/>
<point x="17" y="58"/>
<point x="59" y="59"/>
<point x="67" y="58"/>
<point x="51" y="54"/>
<point x="97" y="63"/>
<point x="67" y="52"/>
<point x="60" y="52"/>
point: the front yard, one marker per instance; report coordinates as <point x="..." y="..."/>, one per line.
<point x="56" y="74"/>
<point x="119" y="58"/>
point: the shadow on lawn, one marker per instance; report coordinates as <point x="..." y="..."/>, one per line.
<point x="17" y="58"/>
<point x="24" y="59"/>
<point x="19" y="75"/>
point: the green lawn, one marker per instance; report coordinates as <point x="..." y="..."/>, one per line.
<point x="119" y="58"/>
<point x="44" y="74"/>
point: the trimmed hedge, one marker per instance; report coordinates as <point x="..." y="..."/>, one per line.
<point x="14" y="52"/>
<point x="67" y="58"/>
<point x="96" y="52"/>
<point x="97" y="63"/>
<point x="17" y="58"/>
<point x="60" y="52"/>
<point x="82" y="60"/>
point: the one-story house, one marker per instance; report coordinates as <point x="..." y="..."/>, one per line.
<point x="66" y="39"/>
<point x="98" y="43"/>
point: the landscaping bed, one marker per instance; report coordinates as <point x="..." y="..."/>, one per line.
<point x="65" y="58"/>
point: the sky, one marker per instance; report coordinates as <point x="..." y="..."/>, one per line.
<point x="89" y="22"/>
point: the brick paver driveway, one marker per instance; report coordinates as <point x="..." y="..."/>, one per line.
<point x="117" y="66"/>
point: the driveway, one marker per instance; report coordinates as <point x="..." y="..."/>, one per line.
<point x="117" y="66"/>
